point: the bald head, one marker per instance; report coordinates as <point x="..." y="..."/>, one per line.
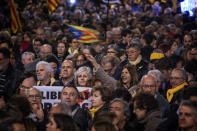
<point x="148" y="84"/>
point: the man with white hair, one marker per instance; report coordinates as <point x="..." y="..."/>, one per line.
<point x="27" y="57"/>
<point x="44" y="74"/>
<point x="148" y="84"/>
<point x="45" y="50"/>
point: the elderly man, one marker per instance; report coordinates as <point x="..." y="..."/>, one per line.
<point x="45" y="50"/>
<point x="44" y="74"/>
<point x="122" y="112"/>
<point x="178" y="79"/>
<point x="27" y="57"/>
<point x="188" y="116"/>
<point x="70" y="96"/>
<point x="148" y="84"/>
<point x="34" y="97"/>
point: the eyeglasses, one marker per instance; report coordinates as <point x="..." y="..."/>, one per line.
<point x="37" y="96"/>
<point x="111" y="52"/>
<point x="175" y="78"/>
<point x="148" y="86"/>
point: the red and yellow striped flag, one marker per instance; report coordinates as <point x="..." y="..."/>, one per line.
<point x="15" y="21"/>
<point x="52" y="5"/>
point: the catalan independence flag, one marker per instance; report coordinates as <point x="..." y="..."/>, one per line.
<point x="52" y="5"/>
<point x="15" y="21"/>
<point x="84" y="35"/>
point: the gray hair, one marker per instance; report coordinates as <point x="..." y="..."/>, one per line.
<point x="28" y="91"/>
<point x="144" y="76"/>
<point x="47" y="67"/>
<point x="23" y="57"/>
<point x="157" y="74"/>
<point x="126" y="110"/>
<point x="65" y="109"/>
<point x="135" y="46"/>
<point x="184" y="73"/>
<point x="81" y="69"/>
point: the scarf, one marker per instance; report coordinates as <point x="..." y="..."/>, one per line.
<point x="49" y="84"/>
<point x="170" y="92"/>
<point x="94" y="110"/>
<point x="139" y="58"/>
<point x="72" y="52"/>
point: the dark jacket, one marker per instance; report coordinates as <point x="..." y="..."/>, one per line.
<point x="170" y="123"/>
<point x="163" y="103"/>
<point x="81" y="117"/>
<point x="9" y="79"/>
<point x="151" y="121"/>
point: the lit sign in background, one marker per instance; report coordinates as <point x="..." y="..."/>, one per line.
<point x="188" y="5"/>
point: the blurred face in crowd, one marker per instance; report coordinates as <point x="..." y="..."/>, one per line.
<point x="40" y="34"/>
<point x="42" y="73"/>
<point x="174" y="47"/>
<point x="117" y="35"/>
<point x="118" y="109"/>
<point x="187" y="117"/>
<point x="52" y="126"/>
<point x="149" y="85"/>
<point x="36" y="46"/>
<point x="53" y="66"/>
<point x="34" y="97"/>
<point x="80" y="60"/>
<point x="111" y="52"/>
<point x="28" y="59"/>
<point x="61" y="49"/>
<point x="140" y="113"/>
<point x="27" y="84"/>
<point x="109" y="38"/>
<point x="45" y="50"/>
<point x="127" y="38"/>
<point x="193" y="53"/>
<point x="132" y="54"/>
<point x="67" y="69"/>
<point x="108" y="68"/>
<point x="187" y="40"/>
<point x="69" y="96"/>
<point x="125" y="76"/>
<point x="97" y="99"/>
<point x="176" y="78"/>
<point x="74" y="44"/>
<point x="82" y="78"/>
<point x="3" y="62"/>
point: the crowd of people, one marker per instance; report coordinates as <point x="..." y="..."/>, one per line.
<point x="142" y="71"/>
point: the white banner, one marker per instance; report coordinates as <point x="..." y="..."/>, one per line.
<point x="85" y="97"/>
<point x="52" y="95"/>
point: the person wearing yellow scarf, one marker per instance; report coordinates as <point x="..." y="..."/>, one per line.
<point x="94" y="110"/>
<point x="100" y="97"/>
<point x="178" y="79"/>
<point x="171" y="92"/>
